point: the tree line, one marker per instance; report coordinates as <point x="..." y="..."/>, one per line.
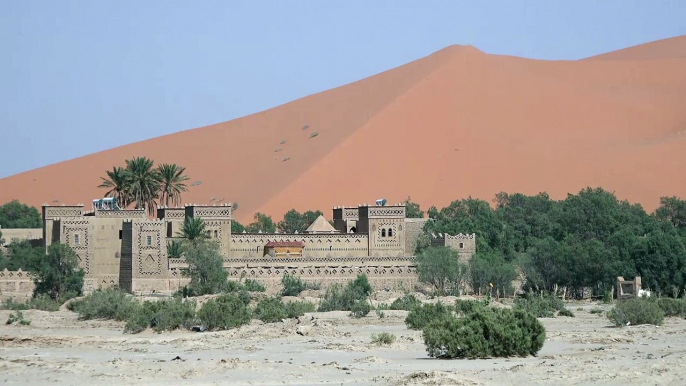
<point x="581" y="242"/>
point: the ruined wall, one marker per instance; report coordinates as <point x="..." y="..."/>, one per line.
<point x="10" y="234"/>
<point x="345" y="219"/>
<point x="246" y="245"/>
<point x="16" y="285"/>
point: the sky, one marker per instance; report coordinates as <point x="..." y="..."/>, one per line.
<point x="77" y="77"/>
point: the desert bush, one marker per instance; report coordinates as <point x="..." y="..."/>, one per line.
<point x="41" y="302"/>
<point x="466" y="306"/>
<point x="342" y="298"/>
<point x="485" y="332"/>
<point x="636" y="311"/>
<point x="253" y="286"/>
<point x="270" y="310"/>
<point x="106" y="304"/>
<point x="542" y="306"/>
<point x="566" y="312"/>
<point x="360" y="308"/>
<point x="407" y="303"/>
<point x="596" y="311"/>
<point x="162" y="315"/>
<point x="297" y="309"/>
<point x="383" y="338"/>
<point x="672" y="307"/>
<point x="293" y="285"/>
<point x="18" y="317"/>
<point x="420" y="316"/>
<point x="59" y="276"/>
<point x="205" y="268"/>
<point x="224" y="312"/>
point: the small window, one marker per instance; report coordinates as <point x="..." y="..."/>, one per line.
<point x="390" y="232"/>
<point x="148" y="240"/>
<point x="461" y="245"/>
<point x="120" y="235"/>
<point x="209" y="233"/>
<point x="383" y="232"/>
<point x="76" y="240"/>
<point x="216" y="234"/>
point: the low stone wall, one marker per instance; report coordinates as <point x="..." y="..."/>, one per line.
<point x="16" y="284"/>
<point x="393" y="273"/>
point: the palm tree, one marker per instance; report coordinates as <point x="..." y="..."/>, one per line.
<point x="175" y="249"/>
<point x="143" y="183"/>
<point x="193" y="229"/>
<point x="117" y="185"/>
<point x="172" y="178"/>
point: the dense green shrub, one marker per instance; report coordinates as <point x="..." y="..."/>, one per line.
<point x="407" y="303"/>
<point x="18" y="317"/>
<point x="205" y="267"/>
<point x="270" y="310"/>
<point x="253" y="286"/>
<point x="636" y="311"/>
<point x="224" y="312"/>
<point x="542" y="306"/>
<point x="566" y="312"/>
<point x="41" y="302"/>
<point x="59" y="276"/>
<point x="162" y="315"/>
<point x="339" y="298"/>
<point x="297" y="309"/>
<point x="293" y="285"/>
<point x="466" y="306"/>
<point x="672" y="307"/>
<point x="360" y="308"/>
<point x="106" y="304"/>
<point x="485" y="332"/>
<point x="383" y="338"/>
<point x="427" y="313"/>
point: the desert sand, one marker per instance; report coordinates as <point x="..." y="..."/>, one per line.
<point x="457" y="123"/>
<point x="59" y="349"/>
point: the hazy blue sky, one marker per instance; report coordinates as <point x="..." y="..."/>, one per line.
<point x="77" y="77"/>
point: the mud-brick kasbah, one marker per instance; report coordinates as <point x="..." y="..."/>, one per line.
<point x="127" y="249"/>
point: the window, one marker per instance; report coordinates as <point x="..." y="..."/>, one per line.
<point x="76" y="239"/>
<point x="461" y="245"/>
<point x="390" y="232"/>
<point x="383" y="232"/>
<point x="216" y="234"/>
<point x="148" y="240"/>
<point x="119" y="235"/>
<point x="209" y="233"/>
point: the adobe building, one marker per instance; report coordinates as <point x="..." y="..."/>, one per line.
<point x="127" y="249"/>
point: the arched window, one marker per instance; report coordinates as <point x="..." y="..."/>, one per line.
<point x="383" y="232"/>
<point x="390" y="232"/>
<point x="216" y="234"/>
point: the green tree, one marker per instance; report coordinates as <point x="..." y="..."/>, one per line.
<point x="205" y="267"/>
<point x="439" y="266"/>
<point x="117" y="184"/>
<point x="17" y="215"/>
<point x="59" y="276"/>
<point x="171" y="183"/>
<point x="175" y="249"/>
<point x="193" y="229"/>
<point x="546" y="264"/>
<point x="262" y="223"/>
<point x="295" y="221"/>
<point x="143" y="182"/>
<point x="22" y="255"/>
<point x="236" y="227"/>
<point x="489" y="271"/>
<point x="412" y="209"/>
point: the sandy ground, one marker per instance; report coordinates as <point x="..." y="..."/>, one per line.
<point x="57" y="348"/>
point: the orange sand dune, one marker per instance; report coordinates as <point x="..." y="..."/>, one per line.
<point x="457" y="123"/>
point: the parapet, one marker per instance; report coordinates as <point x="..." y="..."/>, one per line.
<point x="54" y="211"/>
<point x="210" y="212"/>
<point x="346" y="213"/>
<point x="378" y="211"/>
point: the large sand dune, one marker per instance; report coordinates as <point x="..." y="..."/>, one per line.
<point x="457" y="123"/>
